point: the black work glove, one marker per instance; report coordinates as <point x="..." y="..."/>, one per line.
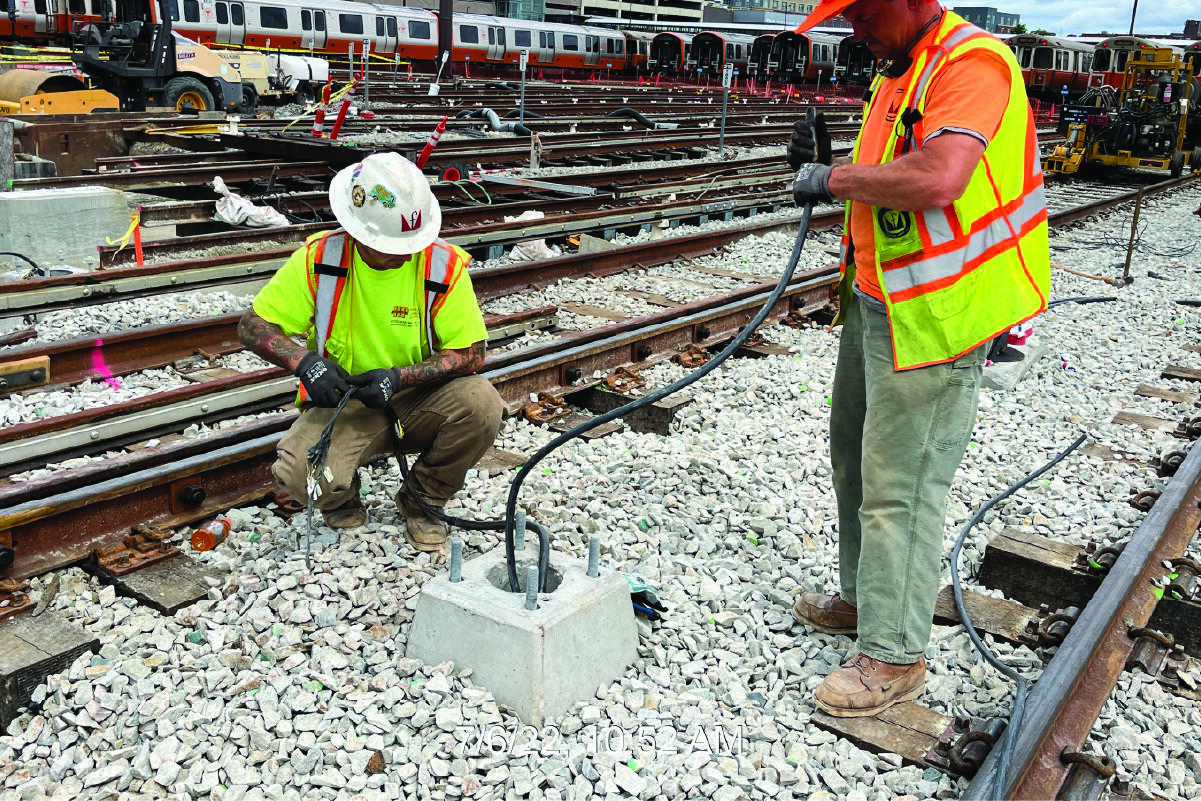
<point x="324" y="380"/>
<point x="810" y="141"/>
<point x="812" y="184"/>
<point x="376" y="387"/>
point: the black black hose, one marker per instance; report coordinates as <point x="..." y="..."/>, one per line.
<point x="517" y="113"/>
<point x="1098" y="299"/>
<point x="31" y="262"/>
<point x="640" y="117"/>
<point x="1019" y="701"/>
<point x="653" y="397"/>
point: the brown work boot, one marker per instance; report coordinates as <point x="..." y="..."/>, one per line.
<point x="828" y="613"/>
<point x="864" y="686"/>
<point x="350" y="514"/>
<point x="423" y="532"/>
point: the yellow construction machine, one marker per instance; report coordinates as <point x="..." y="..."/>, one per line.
<point x="1151" y="124"/>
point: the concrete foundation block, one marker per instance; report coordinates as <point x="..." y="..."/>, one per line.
<point x="74" y="220"/>
<point x="1004" y="376"/>
<point x="536" y="662"/>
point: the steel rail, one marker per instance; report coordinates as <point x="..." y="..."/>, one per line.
<point x="1079" y="679"/>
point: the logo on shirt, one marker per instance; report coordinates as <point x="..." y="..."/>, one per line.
<point x="894" y="224"/>
<point x="400" y="311"/>
<point x="402" y="317"/>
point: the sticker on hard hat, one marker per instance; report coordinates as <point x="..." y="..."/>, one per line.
<point x="894" y="224"/>
<point x="412" y="223"/>
<point x="385" y="198"/>
<point x="358" y="196"/>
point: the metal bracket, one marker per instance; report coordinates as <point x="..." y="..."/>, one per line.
<point x="1143" y="501"/>
<point x="13" y="599"/>
<point x="1046" y="629"/>
<point x="624" y="379"/>
<point x="547" y="408"/>
<point x="1184" y="579"/>
<point x="1159" y="656"/>
<point x="1098" y="561"/>
<point x="963" y="746"/>
<point x="1167" y="465"/>
<point x="1189" y="429"/>
<point x="692" y="356"/>
<point x="795" y="319"/>
<point x="1087" y="775"/>
<point x="144" y="546"/>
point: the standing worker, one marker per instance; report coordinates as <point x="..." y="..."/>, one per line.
<point x="386" y="307"/>
<point x="945" y="247"/>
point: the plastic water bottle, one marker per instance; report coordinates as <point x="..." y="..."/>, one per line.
<point x="211" y="534"/>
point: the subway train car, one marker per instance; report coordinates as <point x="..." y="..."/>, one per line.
<point x="1050" y="63"/>
<point x="855" y="65"/>
<point x="802" y="57"/>
<point x="711" y="52"/>
<point x="669" y="53"/>
<point x="1111" y="55"/>
<point x="638" y="48"/>
<point x="488" y="40"/>
<point x="760" y="54"/>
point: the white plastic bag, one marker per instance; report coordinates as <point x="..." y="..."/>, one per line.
<point x="532" y="249"/>
<point x="237" y="210"/>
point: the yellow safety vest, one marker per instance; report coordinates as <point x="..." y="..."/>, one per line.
<point x="958" y="276"/>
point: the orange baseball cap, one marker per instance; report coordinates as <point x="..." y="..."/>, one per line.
<point x="826" y="9"/>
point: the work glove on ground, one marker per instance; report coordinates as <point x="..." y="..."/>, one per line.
<point x="324" y="380"/>
<point x="810" y="141"/>
<point x="812" y="184"/>
<point x="376" y="387"/>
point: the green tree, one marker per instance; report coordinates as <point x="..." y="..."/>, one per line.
<point x="1042" y="32"/>
<point x="1019" y="28"/>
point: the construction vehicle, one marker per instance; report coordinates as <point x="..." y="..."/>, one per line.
<point x="133" y="53"/>
<point x="279" y="78"/>
<point x="1149" y="124"/>
<point x="48" y="92"/>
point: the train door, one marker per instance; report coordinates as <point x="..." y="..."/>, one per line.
<point x="312" y="29"/>
<point x="231" y="22"/>
<point x="591" y="50"/>
<point x="546" y="47"/>
<point x="496" y="43"/>
<point x="385" y="34"/>
<point x="43" y="20"/>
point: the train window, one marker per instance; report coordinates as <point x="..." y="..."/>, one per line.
<point x="1086" y="62"/>
<point x="236" y="16"/>
<point x="491" y="37"/>
<point x="571" y="41"/>
<point x="1101" y="62"/>
<point x="419" y="29"/>
<point x="222" y="14"/>
<point x="306" y="20"/>
<point x="319" y="20"/>
<point x="546" y="39"/>
<point x="468" y="34"/>
<point x="77" y="7"/>
<point x="379" y="26"/>
<point x="522" y="38"/>
<point x="620" y="45"/>
<point x="174" y="10"/>
<point x="391" y="22"/>
<point x="351" y="23"/>
<point x="1043" y="58"/>
<point x="610" y="46"/>
<point x="273" y="17"/>
<point x="191" y="10"/>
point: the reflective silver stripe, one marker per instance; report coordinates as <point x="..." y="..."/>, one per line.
<point x="938" y="224"/>
<point x="327" y="288"/>
<point x="937" y="268"/>
<point x="437" y="270"/>
<point x="947" y="46"/>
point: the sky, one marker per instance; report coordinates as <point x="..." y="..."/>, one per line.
<point x="1091" y="16"/>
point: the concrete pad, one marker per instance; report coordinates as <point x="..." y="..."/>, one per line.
<point x="536" y="662"/>
<point x="75" y="220"/>
<point x="1006" y="375"/>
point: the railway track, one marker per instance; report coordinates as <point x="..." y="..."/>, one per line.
<point x="187" y="480"/>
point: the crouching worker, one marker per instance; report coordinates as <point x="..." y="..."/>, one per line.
<point x="387" y="307"/>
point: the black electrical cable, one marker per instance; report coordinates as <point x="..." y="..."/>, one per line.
<point x="1019" y="702"/>
<point x="22" y="256"/>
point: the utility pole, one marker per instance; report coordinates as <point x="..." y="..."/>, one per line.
<point x="1132" y="13"/>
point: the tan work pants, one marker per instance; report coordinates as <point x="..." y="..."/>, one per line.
<point x="449" y="425"/>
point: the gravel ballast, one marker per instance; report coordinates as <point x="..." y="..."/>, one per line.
<point x="290" y="682"/>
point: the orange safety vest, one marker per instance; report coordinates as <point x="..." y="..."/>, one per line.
<point x="956" y="277"/>
<point x="332" y="260"/>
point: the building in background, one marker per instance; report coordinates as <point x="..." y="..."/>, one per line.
<point x="988" y="18"/>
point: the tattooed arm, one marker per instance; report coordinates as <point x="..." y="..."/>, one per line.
<point x="443" y="366"/>
<point x="269" y="341"/>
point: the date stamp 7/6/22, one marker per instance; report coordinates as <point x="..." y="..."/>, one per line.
<point x="646" y="738"/>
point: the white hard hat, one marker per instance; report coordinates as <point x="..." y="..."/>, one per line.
<point x="385" y="203"/>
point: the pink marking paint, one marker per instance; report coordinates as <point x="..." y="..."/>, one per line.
<point x="101" y="369"/>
